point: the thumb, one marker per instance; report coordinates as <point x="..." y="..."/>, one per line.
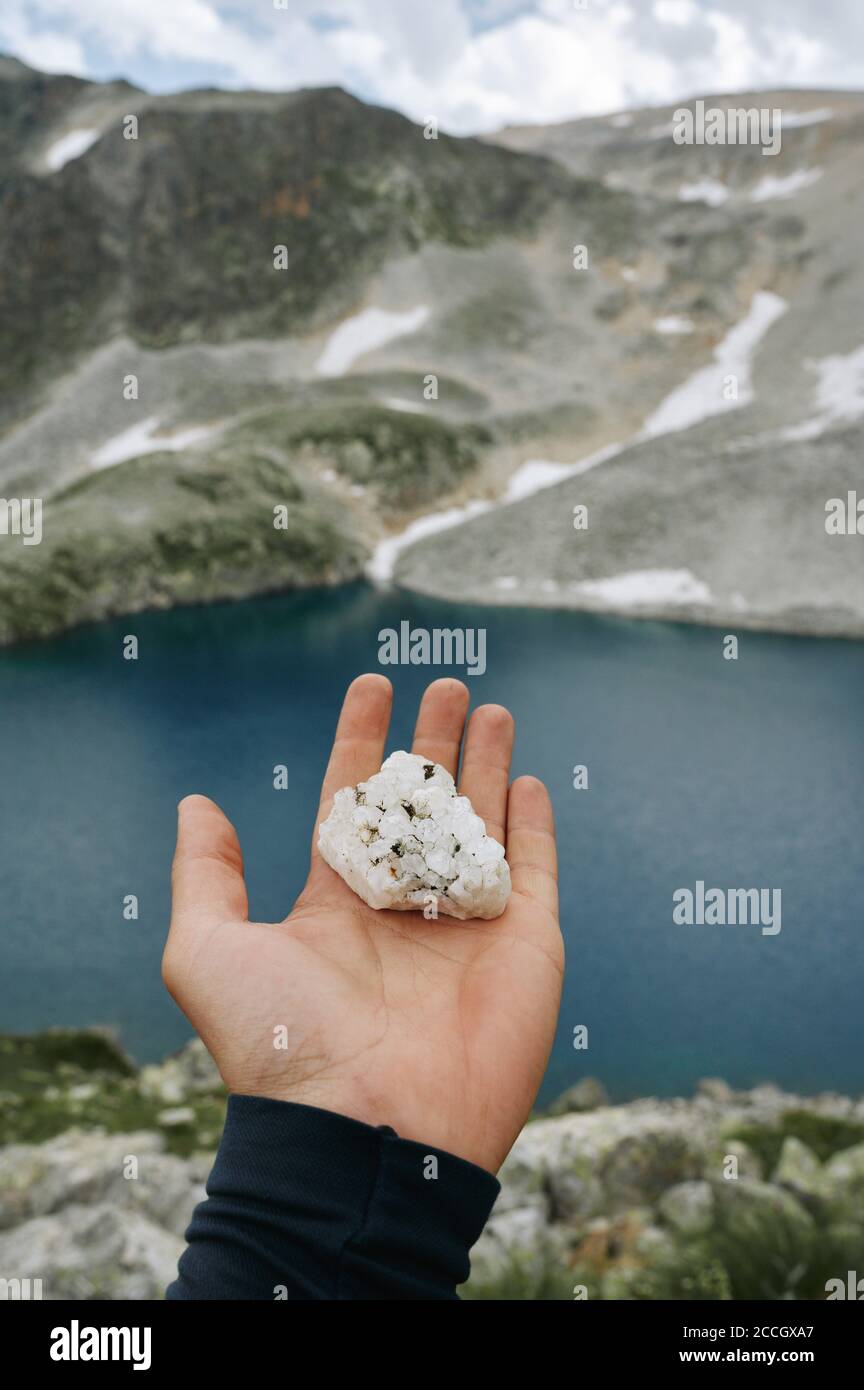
<point x="207" y="877"/>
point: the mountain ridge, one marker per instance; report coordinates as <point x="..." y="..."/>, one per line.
<point x="152" y="261"/>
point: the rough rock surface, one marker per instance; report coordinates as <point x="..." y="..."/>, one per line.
<point x="404" y="839"/>
<point x="756" y="1194"/>
<point x="114" y="267"/>
<point x="100" y="1251"/>
<point x="96" y="1211"/>
<point x="667" y="1199"/>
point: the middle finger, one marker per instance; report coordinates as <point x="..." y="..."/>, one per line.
<point x="440" y="722"/>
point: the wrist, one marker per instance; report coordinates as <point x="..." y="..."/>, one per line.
<point x="407" y="1119"/>
<point x="327" y="1206"/>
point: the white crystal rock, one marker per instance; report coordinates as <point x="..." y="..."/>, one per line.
<point x="404" y="839"/>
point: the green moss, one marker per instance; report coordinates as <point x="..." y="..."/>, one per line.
<point x="61" y="1079"/>
<point x="170" y="529"/>
<point x="116" y="1108"/>
<point x="173" y="528"/>
<point x="525" y="1278"/>
<point x="775" y="1260"/>
<point x="405" y="459"/>
<point x="685" y="1274"/>
<point x="825" y="1135"/>
<point x="85" y="1050"/>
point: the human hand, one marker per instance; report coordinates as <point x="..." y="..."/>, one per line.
<point x="440" y="1029"/>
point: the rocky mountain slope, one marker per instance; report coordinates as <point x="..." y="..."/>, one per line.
<point x="755" y="1195"/>
<point x="714" y="508"/>
<point x="427" y="346"/>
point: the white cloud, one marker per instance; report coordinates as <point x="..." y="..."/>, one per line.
<point x="430" y="37"/>
<point x="530" y="70"/>
<point x="475" y="64"/>
<point x="52" y="53"/>
<point x="675" y="11"/>
<point x="43" y="48"/>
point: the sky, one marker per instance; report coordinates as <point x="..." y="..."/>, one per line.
<point x="472" y="65"/>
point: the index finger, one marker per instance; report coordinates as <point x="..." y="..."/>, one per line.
<point x="358" y="747"/>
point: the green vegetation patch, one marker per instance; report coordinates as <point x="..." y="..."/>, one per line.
<point x="406" y="460"/>
<point x="168" y="529"/>
<point x="62" y="1079"/>
<point x="825" y="1135"/>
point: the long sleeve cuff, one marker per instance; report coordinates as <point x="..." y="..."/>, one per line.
<point x="306" y="1204"/>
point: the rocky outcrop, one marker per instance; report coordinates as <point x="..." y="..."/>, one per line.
<point x="98" y="1209"/>
<point x="662" y="537"/>
<point x="752" y="1195"/>
<point x="191" y="526"/>
<point x="168" y="225"/>
<point x="100" y="1251"/>
<point x="756" y="1194"/>
<point x="129" y="1171"/>
<point x="587" y="1094"/>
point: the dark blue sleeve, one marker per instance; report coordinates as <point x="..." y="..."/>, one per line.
<point x="306" y="1204"/>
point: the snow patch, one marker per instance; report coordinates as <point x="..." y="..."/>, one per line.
<point x="364" y="332"/>
<point x="141" y="438"/>
<point x="533" y="476"/>
<point x="702" y="394"/>
<point x="637" y="588"/>
<point x="709" y="191"/>
<point x="69" y="147"/>
<point x="673" y="323"/>
<point x="696" y="399"/>
<point x="383" y="559"/>
<point x="537" y="474"/>
<point x="784" y="186"/>
<point x="839" y="395"/>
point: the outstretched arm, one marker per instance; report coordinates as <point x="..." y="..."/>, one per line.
<point x="381" y="1064"/>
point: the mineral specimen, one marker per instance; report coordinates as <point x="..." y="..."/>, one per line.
<point x="405" y="839"/>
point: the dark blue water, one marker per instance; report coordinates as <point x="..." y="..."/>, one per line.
<point x="742" y="774"/>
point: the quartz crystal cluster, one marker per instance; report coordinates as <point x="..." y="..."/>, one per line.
<point x="405" y="839"/>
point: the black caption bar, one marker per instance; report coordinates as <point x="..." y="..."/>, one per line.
<point x="143" y="1339"/>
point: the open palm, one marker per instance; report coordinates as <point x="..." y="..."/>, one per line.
<point x="440" y="1029"/>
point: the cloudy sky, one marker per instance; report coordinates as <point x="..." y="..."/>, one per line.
<point x="473" y="64"/>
